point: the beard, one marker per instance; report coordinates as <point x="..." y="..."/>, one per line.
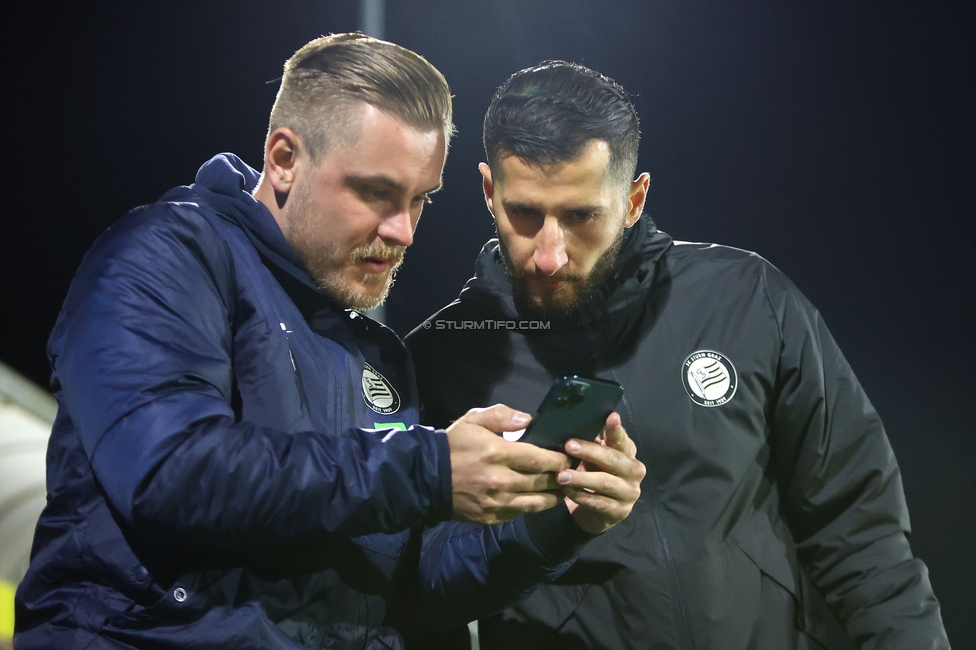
<point x="567" y="299"/>
<point x="326" y="264"/>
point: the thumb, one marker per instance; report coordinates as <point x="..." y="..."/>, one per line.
<point x="497" y="418"/>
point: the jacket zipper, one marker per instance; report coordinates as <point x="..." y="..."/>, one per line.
<point x="682" y="617"/>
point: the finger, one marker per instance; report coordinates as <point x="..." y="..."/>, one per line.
<point x="600" y="505"/>
<point x="535" y="502"/>
<point x="603" y="458"/>
<point x="600" y="483"/>
<point x="503" y="483"/>
<point x="528" y="458"/>
<point x="616" y="436"/>
<point x="497" y="418"/>
<point x="521" y="504"/>
<point x="519" y="482"/>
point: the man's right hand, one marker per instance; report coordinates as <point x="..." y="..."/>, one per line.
<point x="495" y="480"/>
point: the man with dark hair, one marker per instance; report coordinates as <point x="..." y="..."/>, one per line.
<point x="772" y="514"/>
<point x="236" y="460"/>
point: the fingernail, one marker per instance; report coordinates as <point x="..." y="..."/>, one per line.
<point x="521" y="418"/>
<point x="572" y="447"/>
<point x="563" y="478"/>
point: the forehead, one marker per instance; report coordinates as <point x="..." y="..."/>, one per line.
<point x="585" y="178"/>
<point x="386" y="146"/>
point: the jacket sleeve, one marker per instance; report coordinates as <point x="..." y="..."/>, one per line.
<point x="468" y="571"/>
<point x="142" y="358"/>
<point x="842" y="489"/>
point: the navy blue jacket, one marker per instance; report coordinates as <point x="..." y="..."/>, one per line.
<point x="236" y="460"/>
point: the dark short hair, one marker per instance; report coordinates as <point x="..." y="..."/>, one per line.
<point x="548" y="114"/>
<point x="328" y="76"/>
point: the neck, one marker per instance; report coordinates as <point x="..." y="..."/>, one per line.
<point x="266" y="194"/>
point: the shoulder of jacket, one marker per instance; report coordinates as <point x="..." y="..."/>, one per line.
<point x="692" y="252"/>
<point x="458" y="309"/>
<point x="719" y="264"/>
<point x="169" y="250"/>
<point x="421" y="335"/>
<point x="163" y="240"/>
<point x="165" y="222"/>
<point x="735" y="266"/>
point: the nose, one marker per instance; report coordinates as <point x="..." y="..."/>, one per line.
<point x="397" y="229"/>
<point x="550" y="249"/>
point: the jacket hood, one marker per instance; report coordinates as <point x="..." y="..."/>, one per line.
<point x="225" y="182"/>
<point x="628" y="284"/>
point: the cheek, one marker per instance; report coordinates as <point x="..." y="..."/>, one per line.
<point x="519" y="249"/>
<point x="346" y="221"/>
<point x="415" y="218"/>
<point x="586" y="246"/>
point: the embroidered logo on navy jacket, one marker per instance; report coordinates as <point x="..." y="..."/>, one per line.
<point x="378" y="393"/>
<point x="709" y="378"/>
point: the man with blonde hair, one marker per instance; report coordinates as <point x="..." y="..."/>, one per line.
<point x="236" y="460"/>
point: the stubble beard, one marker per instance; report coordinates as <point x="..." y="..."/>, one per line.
<point x="325" y="262"/>
<point x="570" y="297"/>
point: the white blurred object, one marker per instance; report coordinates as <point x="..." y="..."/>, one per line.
<point x="26" y="415"/>
<point x="473" y="631"/>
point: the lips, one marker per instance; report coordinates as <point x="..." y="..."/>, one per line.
<point x="552" y="283"/>
<point x="378" y="264"/>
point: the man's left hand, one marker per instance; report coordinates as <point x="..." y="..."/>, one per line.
<point x="604" y="488"/>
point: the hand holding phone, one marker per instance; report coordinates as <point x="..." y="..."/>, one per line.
<point x="603" y="490"/>
<point x="493" y="481"/>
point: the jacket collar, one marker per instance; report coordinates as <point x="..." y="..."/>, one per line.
<point x="225" y="182"/>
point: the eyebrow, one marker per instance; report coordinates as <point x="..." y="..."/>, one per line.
<point x="387" y="182"/>
<point x="518" y="205"/>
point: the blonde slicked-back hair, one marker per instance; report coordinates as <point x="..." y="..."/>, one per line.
<point x="325" y="80"/>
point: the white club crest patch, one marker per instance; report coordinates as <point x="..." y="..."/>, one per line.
<point x="378" y="393"/>
<point x="709" y="378"/>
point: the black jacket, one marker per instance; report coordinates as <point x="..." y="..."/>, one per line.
<point x="772" y="514"/>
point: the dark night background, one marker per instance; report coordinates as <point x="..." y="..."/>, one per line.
<point x="836" y="139"/>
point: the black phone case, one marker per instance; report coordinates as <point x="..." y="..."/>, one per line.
<point x="574" y="407"/>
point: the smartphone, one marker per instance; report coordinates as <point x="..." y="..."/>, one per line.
<point x="574" y="407"/>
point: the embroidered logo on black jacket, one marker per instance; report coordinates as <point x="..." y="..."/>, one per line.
<point x="378" y="393"/>
<point x="709" y="378"/>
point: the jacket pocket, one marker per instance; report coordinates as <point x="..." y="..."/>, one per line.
<point x="185" y="601"/>
<point x="777" y="562"/>
<point x="109" y="559"/>
<point x="199" y="611"/>
<point x="551" y="605"/>
<point x="721" y="596"/>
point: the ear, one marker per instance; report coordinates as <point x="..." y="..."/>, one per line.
<point x="281" y="158"/>
<point x="636" y="197"/>
<point x="487" y="185"/>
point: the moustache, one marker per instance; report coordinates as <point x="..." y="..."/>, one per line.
<point x="569" y="278"/>
<point x="379" y="251"/>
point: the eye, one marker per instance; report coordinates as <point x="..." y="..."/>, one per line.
<point x="522" y="212"/>
<point x="423" y="199"/>
<point x="373" y="193"/>
<point x="582" y="215"/>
